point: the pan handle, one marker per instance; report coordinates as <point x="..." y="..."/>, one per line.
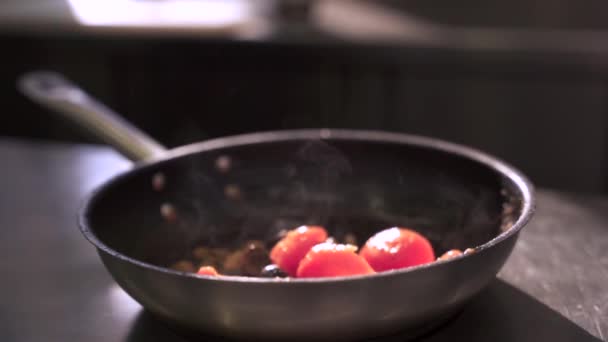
<point x="55" y="92"/>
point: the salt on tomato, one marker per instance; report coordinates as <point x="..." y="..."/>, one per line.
<point x="290" y="250"/>
<point x="396" y="248"/>
<point x="333" y="260"/>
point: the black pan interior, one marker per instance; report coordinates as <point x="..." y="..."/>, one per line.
<point x="344" y="185"/>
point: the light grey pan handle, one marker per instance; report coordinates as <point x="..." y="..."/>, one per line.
<point x="55" y="92"/>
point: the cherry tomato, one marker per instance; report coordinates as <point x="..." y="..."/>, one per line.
<point x="396" y="248"/>
<point x="452" y="253"/>
<point x="290" y="250"/>
<point x="333" y="260"/>
<point x="207" y="270"/>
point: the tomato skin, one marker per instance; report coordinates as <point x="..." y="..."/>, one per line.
<point x="396" y="248"/>
<point x="290" y="250"/>
<point x="333" y="260"/>
<point x="207" y="270"/>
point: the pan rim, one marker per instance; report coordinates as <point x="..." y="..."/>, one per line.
<point x="502" y="168"/>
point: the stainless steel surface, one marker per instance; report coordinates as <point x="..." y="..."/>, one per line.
<point x="65" y="98"/>
<point x="55" y="289"/>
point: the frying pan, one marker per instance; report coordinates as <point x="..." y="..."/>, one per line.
<point x="349" y="181"/>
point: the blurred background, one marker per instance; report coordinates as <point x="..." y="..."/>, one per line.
<point x="524" y="80"/>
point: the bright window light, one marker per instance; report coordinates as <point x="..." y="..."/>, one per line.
<point x="159" y="13"/>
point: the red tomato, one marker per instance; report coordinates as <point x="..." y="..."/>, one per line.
<point x="288" y="252"/>
<point x="207" y="270"/>
<point x="395" y="248"/>
<point x="333" y="260"/>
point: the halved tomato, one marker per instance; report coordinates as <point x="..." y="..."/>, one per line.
<point x="290" y="250"/>
<point x="396" y="248"/>
<point x="333" y="260"/>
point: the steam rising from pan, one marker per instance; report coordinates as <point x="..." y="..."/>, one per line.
<point x="240" y="194"/>
<point x="303" y="192"/>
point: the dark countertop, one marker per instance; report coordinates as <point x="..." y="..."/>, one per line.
<point x="54" y="287"/>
